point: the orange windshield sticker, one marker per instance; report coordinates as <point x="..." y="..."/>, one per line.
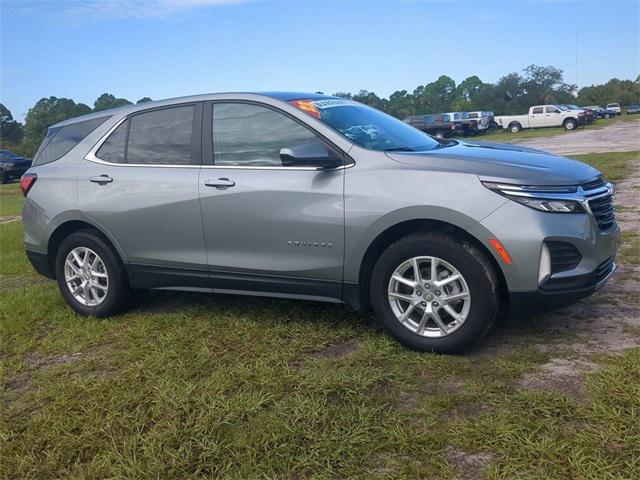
<point x="306" y="106"/>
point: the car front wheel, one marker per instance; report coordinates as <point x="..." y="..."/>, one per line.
<point x="434" y="292"/>
<point x="90" y="275"/>
<point x="569" y="125"/>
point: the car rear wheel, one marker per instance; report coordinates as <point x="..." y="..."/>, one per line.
<point x="4" y="177"/>
<point x="90" y="275"/>
<point x="434" y="292"/>
<point x="515" y="127"/>
<point x="606" y="115"/>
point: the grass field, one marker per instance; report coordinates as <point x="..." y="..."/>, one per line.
<point x="203" y="386"/>
<point x="501" y="135"/>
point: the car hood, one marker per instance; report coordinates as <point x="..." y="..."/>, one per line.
<point x="502" y="162"/>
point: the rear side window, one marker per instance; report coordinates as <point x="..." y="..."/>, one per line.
<point x="161" y="137"/>
<point x="60" y="140"/>
<point x="537" y="110"/>
<point x="112" y="150"/>
<point x="158" y="137"/>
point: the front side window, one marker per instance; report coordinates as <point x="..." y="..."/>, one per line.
<point x="161" y="137"/>
<point x="552" y="110"/>
<point x="252" y="135"/>
<point x="365" y="126"/>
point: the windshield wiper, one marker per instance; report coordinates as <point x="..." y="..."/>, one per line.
<point x="399" y="149"/>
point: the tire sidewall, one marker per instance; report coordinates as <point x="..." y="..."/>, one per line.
<point x="112" y="264"/>
<point x="570" y="122"/>
<point x="514" y="128"/>
<point x="483" y="293"/>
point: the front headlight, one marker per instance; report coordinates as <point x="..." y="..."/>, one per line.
<point x="546" y="199"/>
<point x="555" y="206"/>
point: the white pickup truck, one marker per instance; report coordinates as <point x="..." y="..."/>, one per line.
<point x="542" y="116"/>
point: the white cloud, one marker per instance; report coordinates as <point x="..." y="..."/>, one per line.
<point x="99" y="9"/>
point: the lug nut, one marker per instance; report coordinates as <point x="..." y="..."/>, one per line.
<point x="435" y="304"/>
<point x="427" y="286"/>
<point x="424" y="304"/>
<point x="437" y="293"/>
<point x="418" y="293"/>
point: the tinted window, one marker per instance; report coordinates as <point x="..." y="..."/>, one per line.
<point x="473" y="115"/>
<point x="537" y="110"/>
<point x="552" y="110"/>
<point x="60" y="140"/>
<point x="112" y="150"/>
<point x="250" y="135"/>
<point x="161" y="137"/>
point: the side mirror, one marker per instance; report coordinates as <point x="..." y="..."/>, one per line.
<point x="310" y="154"/>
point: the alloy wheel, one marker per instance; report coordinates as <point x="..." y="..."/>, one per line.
<point x="429" y="296"/>
<point x="86" y="276"/>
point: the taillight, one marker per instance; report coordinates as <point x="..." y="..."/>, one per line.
<point x="27" y="181"/>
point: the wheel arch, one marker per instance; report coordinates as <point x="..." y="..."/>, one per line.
<point x="393" y="233"/>
<point x="69" y="226"/>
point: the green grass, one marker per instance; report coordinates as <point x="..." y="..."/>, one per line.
<point x="10" y="199"/>
<point x="614" y="165"/>
<point x="203" y="386"/>
<point x="502" y="135"/>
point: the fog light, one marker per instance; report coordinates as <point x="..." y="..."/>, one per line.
<point x="544" y="269"/>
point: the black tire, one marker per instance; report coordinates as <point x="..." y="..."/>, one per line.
<point x="570" y="124"/>
<point x="515" y="128"/>
<point x="470" y="262"/>
<point x="606" y="115"/>
<point x="118" y="294"/>
<point x="4" y="177"/>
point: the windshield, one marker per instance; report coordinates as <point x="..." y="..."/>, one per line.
<point x="366" y="126"/>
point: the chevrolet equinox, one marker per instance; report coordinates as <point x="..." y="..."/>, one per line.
<point x="313" y="197"/>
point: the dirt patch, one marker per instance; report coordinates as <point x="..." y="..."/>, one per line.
<point x="619" y="137"/>
<point x="339" y="350"/>
<point x="560" y="375"/>
<point x="10" y="218"/>
<point x="468" y="466"/>
<point x="8" y="283"/>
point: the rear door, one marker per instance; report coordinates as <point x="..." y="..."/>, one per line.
<point x="269" y="228"/>
<point x="536" y="117"/>
<point x="141" y="186"/>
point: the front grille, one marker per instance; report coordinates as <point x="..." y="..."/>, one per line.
<point x="564" y="256"/>
<point x="593" y="184"/>
<point x="603" y="211"/>
<point x="600" y="199"/>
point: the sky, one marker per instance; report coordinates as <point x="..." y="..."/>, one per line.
<point x="168" y="48"/>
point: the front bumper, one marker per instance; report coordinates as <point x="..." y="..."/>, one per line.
<point x="561" y="293"/>
<point x="523" y="231"/>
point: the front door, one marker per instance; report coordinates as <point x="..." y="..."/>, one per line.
<point x="268" y="228"/>
<point x="141" y="187"/>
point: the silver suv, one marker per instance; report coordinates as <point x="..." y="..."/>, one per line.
<point x="313" y="197"/>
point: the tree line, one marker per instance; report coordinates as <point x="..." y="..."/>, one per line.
<point x="513" y="93"/>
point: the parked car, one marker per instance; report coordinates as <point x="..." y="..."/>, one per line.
<point x="484" y="119"/>
<point x="541" y="116"/>
<point x="633" y="109"/>
<point x="440" y="125"/>
<point x="314" y="197"/>
<point x="602" y="112"/>
<point x="585" y="114"/>
<point x="614" y="107"/>
<point x="12" y="166"/>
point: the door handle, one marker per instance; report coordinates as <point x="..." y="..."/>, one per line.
<point x="101" y="179"/>
<point x="220" y="183"/>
